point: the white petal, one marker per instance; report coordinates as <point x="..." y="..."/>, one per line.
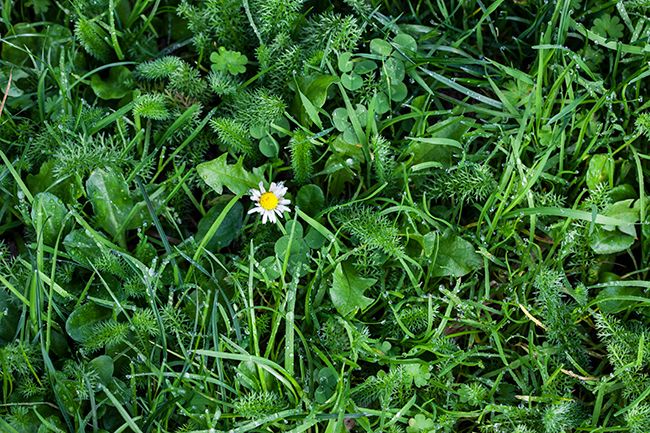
<point x="280" y="191"/>
<point x="285" y="201"/>
<point x="272" y="217"/>
<point x="264" y="217"/>
<point x="272" y="187"/>
<point x="262" y="190"/>
<point x="255" y="209"/>
<point x="255" y="195"/>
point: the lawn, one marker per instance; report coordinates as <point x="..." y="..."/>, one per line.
<point x="367" y="216"/>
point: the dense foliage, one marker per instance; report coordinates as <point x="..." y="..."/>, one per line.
<point x="468" y="243"/>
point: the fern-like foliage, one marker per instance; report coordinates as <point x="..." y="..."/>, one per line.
<point x="362" y="8"/>
<point x="386" y="388"/>
<point x="106" y="334"/>
<point x="93" y="38"/>
<point x="276" y="16"/>
<point x="220" y="22"/>
<point x="258" y="404"/>
<point x="562" y="417"/>
<point x="622" y="342"/>
<point x="332" y="32"/>
<point x="233" y="135"/>
<point x="334" y="336"/>
<point x="383" y="161"/>
<point x="413" y="318"/>
<point x="16" y="359"/>
<point x="302" y="161"/>
<point x="368" y="227"/>
<point x="84" y="154"/>
<point x="144" y="324"/>
<point x="159" y="69"/>
<point x="151" y="106"/>
<point x="638" y="418"/>
<point x="281" y="62"/>
<point x="467" y="182"/>
<point x="187" y="81"/>
<point x="184" y="82"/>
<point x="223" y="83"/>
<point x="258" y="108"/>
<point x="560" y="327"/>
<point x="643" y="124"/>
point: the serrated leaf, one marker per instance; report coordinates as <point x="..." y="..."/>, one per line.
<point x="455" y="257"/>
<point x="347" y="291"/>
<point x="218" y="173"/>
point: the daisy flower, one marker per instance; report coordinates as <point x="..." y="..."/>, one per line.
<point x="271" y="202"/>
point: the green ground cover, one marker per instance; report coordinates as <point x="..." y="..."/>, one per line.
<point x="313" y="216"/>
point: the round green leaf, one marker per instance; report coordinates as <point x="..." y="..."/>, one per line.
<point x="269" y="147"/>
<point x="310" y="199"/>
<point x="298" y="254"/>
<point x="406" y="43"/>
<point x="362" y="114"/>
<point x="345" y="62"/>
<point x="340" y="119"/>
<point x="613" y="305"/>
<point x="601" y="167"/>
<point x="314" y="239"/>
<point x="349" y="136"/>
<point x="294" y="227"/>
<point x="382" y="104"/>
<point x="347" y="290"/>
<point x="381" y="47"/>
<point x="609" y="242"/>
<point x="365" y="66"/>
<point x="103" y="366"/>
<point x="258" y="131"/>
<point x="398" y="92"/>
<point x="351" y="81"/>
<point x="394" y="69"/>
<point x="270" y="267"/>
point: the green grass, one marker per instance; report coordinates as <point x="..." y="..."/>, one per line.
<point x="468" y="243"/>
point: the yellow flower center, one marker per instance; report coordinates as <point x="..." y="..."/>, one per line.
<point x="269" y="201"/>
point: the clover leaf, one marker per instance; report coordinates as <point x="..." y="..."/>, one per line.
<point x="224" y="60"/>
<point x="607" y="25"/>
